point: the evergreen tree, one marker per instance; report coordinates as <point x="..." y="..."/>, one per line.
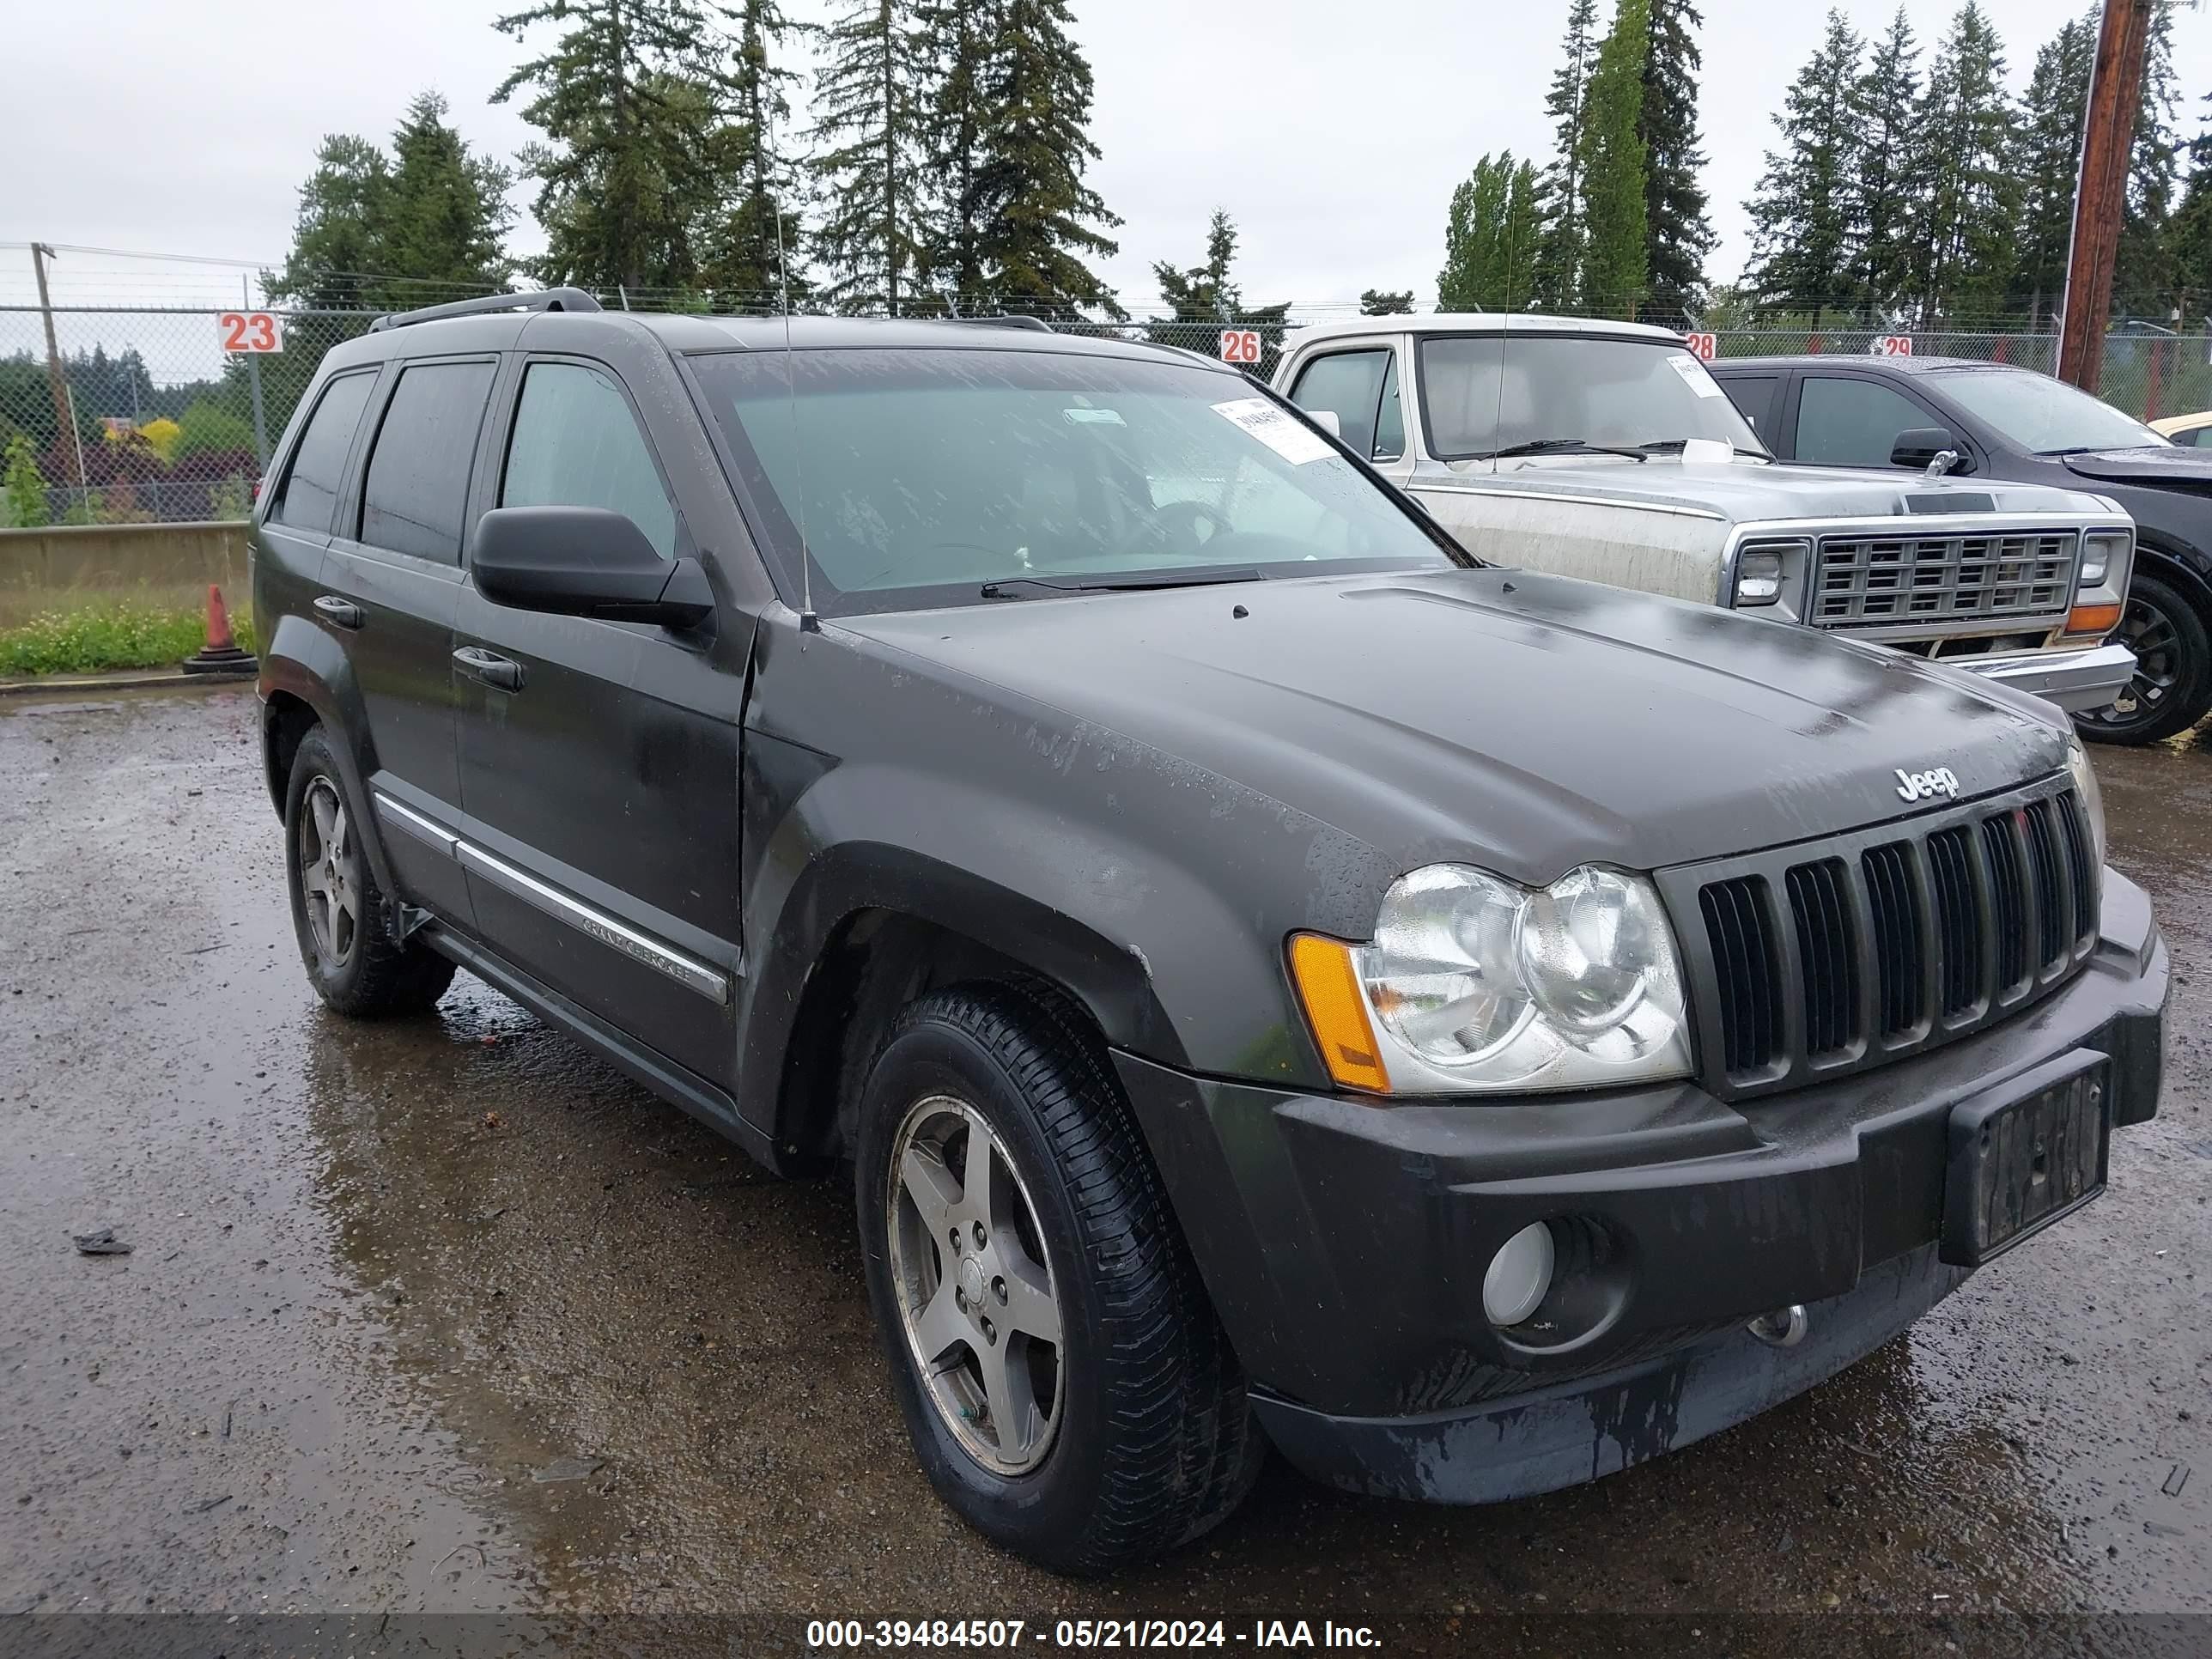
<point x="635" y="151"/>
<point x="1885" y="144"/>
<point x="958" y="41"/>
<point x="336" y="238"/>
<point x="2143" y="271"/>
<point x="2190" y="234"/>
<point x="1616" y="268"/>
<point x="1566" y="230"/>
<point x="1042" y="220"/>
<point x="2045" y="166"/>
<point x="1961" y="241"/>
<point x="870" y="91"/>
<point x="1202" y="298"/>
<point x="1803" y="223"/>
<point x="1386" y="302"/>
<point x="1490" y="238"/>
<point x="446" y="216"/>
<point x="1677" y="234"/>
<point x="760" y="242"/>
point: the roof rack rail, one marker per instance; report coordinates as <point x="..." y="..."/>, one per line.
<point x="550" y="299"/>
<point x="1009" y="319"/>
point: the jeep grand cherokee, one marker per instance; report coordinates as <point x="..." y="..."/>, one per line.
<point x="1271" y="977"/>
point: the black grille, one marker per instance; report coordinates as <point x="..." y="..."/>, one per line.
<point x="1822" y="908"/>
<point x="1742" y="939"/>
<point x="1893" y="942"/>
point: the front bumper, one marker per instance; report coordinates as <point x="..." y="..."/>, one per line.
<point x="2076" y="681"/>
<point x="1343" y="1240"/>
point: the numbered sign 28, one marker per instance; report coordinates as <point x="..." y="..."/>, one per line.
<point x="251" y="331"/>
<point x="1704" y="347"/>
<point x="1893" y="345"/>
<point x="1240" y="345"/>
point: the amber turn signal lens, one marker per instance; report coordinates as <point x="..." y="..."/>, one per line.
<point x="2093" y="619"/>
<point x="1328" y="986"/>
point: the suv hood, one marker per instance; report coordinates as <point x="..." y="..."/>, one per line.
<point x="2168" y="466"/>
<point x="1529" y="723"/>
<point x="1746" y="491"/>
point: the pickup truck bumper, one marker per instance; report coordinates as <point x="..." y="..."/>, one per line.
<point x="2077" y="681"/>
<point x="1343" y="1240"/>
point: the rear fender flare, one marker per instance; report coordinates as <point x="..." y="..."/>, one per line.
<point x="303" y="661"/>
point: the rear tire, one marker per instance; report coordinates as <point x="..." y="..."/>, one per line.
<point x="354" y="961"/>
<point x="2172" y="684"/>
<point x="1131" y="1434"/>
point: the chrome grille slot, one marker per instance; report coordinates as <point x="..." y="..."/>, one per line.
<point x="1882" y="581"/>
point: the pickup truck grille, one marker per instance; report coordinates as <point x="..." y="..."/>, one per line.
<point x="1818" y="961"/>
<point x="1885" y="581"/>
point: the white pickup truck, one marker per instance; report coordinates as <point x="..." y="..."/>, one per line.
<point x="1605" y="451"/>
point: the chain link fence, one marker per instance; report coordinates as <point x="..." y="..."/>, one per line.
<point x="143" y="415"/>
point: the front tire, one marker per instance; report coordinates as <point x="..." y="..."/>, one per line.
<point x="1068" y="1388"/>
<point x="2172" y="684"/>
<point x="354" y="961"/>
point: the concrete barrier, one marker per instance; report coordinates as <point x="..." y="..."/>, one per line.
<point x="70" y="566"/>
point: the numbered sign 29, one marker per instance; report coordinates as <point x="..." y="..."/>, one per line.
<point x="1704" y="347"/>
<point x="1893" y="345"/>
<point x="1240" y="345"/>
<point x="251" y="331"/>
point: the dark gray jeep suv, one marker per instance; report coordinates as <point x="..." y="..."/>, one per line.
<point x="1272" y="978"/>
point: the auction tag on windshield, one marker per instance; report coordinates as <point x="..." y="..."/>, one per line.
<point x="1694" y="371"/>
<point x="1293" y="442"/>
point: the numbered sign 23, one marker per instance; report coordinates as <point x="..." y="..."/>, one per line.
<point x="1893" y="345"/>
<point x="1240" y="345"/>
<point x="1704" y="347"/>
<point x="251" y="331"/>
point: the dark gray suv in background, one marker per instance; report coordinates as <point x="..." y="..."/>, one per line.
<point x="1270" y="977"/>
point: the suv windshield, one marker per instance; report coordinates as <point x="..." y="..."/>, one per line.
<point x="2043" y="416"/>
<point x="1484" y="393"/>
<point x="923" y="477"/>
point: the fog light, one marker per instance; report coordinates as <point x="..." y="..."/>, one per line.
<point x="1520" y="1274"/>
<point x="1759" y="577"/>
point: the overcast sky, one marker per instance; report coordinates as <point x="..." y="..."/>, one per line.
<point x="1333" y="130"/>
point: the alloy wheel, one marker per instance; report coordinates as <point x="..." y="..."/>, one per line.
<point x="330" y="874"/>
<point x="2151" y="634"/>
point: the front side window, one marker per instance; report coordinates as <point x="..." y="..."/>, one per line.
<point x="921" y="476"/>
<point x="1488" y="396"/>
<point x="576" y="444"/>
<point x="1349" y="385"/>
<point x="417" y="486"/>
<point x="1843" y="423"/>
<point x="2043" y="416"/>
<point x="311" y="488"/>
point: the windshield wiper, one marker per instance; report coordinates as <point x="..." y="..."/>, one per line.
<point x="1672" y="446"/>
<point x="1015" y="588"/>
<point x="1558" y="446"/>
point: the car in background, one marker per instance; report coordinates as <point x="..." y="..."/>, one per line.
<point x="2010" y="425"/>
<point x="1605" y="451"/>
<point x="2189" y="431"/>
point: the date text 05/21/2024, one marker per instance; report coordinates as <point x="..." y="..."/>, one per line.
<point x="832" y="1635"/>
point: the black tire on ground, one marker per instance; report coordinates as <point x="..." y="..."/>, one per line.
<point x="352" y="959"/>
<point x="2173" y="687"/>
<point x="1152" y="1442"/>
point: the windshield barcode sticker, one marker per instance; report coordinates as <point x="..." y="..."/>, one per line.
<point x="1294" y="443"/>
<point x="1694" y="371"/>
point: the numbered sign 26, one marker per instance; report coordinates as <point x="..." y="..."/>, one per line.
<point x="1240" y="345"/>
<point x="251" y="331"/>
<point x="1704" y="347"/>
<point x="1893" y="345"/>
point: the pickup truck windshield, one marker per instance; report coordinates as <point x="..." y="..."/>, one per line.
<point x="2043" y="416"/>
<point x="1483" y="393"/>
<point x="925" y="476"/>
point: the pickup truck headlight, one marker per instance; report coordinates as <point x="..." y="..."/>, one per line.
<point x="2100" y="587"/>
<point x="1474" y="983"/>
<point x="2087" y="791"/>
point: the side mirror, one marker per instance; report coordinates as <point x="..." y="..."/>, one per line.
<point x="1326" y="420"/>
<point x="1918" y="446"/>
<point x="584" y="562"/>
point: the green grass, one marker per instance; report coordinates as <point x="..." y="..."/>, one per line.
<point x="109" y="637"/>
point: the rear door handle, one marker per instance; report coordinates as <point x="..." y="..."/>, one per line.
<point x="344" y="612"/>
<point x="490" y="667"/>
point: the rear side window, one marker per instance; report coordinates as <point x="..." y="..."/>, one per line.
<point x="1349" y="385"/>
<point x="311" y="488"/>
<point x="576" y="444"/>
<point x="419" y="473"/>
<point x="1852" y="423"/>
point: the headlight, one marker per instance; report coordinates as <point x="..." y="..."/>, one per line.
<point x="1472" y="982"/>
<point x="2086" y="792"/>
<point x="1759" y="577"/>
<point x="2097" y="554"/>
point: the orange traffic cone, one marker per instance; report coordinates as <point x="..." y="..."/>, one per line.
<point x="221" y="654"/>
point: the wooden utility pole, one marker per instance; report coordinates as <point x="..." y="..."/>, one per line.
<point x="2100" y="193"/>
<point x="56" y="379"/>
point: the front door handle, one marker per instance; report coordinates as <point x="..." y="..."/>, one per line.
<point x="490" y="667"/>
<point x="344" y="612"/>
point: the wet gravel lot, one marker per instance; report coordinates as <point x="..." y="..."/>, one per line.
<point x="443" y="1315"/>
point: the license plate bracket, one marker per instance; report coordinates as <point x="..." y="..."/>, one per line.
<point x="2026" y="1157"/>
